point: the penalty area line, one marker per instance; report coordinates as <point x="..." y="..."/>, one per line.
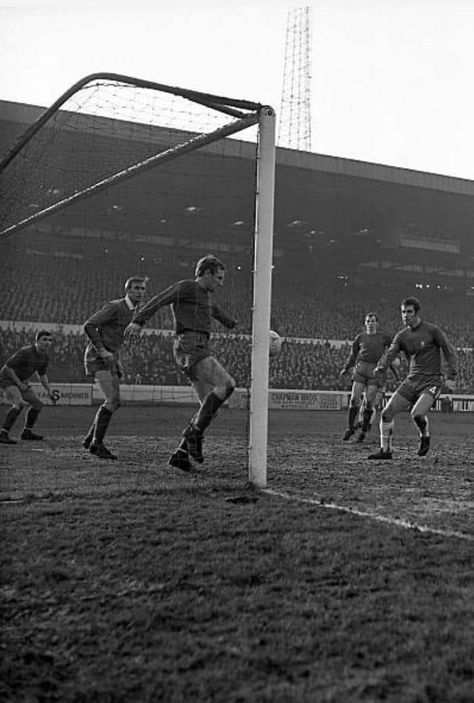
<point x="397" y="522"/>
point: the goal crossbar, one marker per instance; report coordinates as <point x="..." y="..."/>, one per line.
<point x="55" y="129"/>
<point x="197" y="142"/>
<point x="216" y="102"/>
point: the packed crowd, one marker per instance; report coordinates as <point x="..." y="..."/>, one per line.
<point x="59" y="290"/>
<point x="301" y="364"/>
<point x="65" y="287"/>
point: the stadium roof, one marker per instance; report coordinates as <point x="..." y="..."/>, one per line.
<point x="361" y="215"/>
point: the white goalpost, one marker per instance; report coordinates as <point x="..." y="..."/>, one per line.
<point x="123" y="174"/>
<point x="262" y="300"/>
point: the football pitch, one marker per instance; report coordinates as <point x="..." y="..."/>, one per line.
<point x="345" y="580"/>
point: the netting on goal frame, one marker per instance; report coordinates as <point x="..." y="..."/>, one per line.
<point x="122" y="176"/>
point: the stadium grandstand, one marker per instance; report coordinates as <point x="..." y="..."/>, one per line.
<point x="349" y="237"/>
<point x="285" y="567"/>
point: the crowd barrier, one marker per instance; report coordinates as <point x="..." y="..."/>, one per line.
<point x="89" y="394"/>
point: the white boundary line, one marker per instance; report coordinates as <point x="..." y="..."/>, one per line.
<point x="373" y="516"/>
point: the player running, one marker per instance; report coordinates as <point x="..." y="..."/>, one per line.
<point x="422" y="342"/>
<point x="105" y="331"/>
<point x="367" y="348"/>
<point x="193" y="309"/>
<point x="14" y="377"/>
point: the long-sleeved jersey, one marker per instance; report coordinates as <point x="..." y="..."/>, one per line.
<point x="105" y="328"/>
<point x="25" y="362"/>
<point x="422" y="347"/>
<point x="368" y="348"/>
<point x="192" y="306"/>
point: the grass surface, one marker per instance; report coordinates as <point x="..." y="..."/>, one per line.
<point x="129" y="581"/>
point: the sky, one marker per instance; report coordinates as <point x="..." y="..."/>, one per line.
<point x="391" y="80"/>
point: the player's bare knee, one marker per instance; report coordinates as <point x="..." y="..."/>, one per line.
<point x="387" y="415"/>
<point x="111" y="405"/>
<point x="226" y="389"/>
<point x="229" y="387"/>
<point x="37" y="405"/>
<point x="419" y="419"/>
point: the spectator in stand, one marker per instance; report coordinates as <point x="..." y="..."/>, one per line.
<point x="422" y="342"/>
<point x="14" y="376"/>
<point x="194" y="311"/>
<point x="105" y="331"/>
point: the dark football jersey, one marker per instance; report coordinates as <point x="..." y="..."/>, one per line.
<point x="25" y="362"/>
<point x="192" y="306"/>
<point x="422" y="347"/>
<point x="106" y="327"/>
<point x="368" y="348"/>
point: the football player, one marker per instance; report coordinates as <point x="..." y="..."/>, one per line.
<point x="367" y="348"/>
<point x="105" y="331"/>
<point x="194" y="310"/>
<point x="422" y="343"/>
<point x="14" y="376"/>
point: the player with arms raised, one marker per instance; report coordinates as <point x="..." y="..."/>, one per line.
<point x="193" y="310"/>
<point x="422" y="342"/>
<point x="367" y="348"/>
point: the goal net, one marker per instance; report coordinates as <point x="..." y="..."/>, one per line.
<point x="123" y="177"/>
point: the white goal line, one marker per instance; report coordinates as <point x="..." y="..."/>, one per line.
<point x="406" y="524"/>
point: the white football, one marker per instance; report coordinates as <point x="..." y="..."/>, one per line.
<point x="275" y="343"/>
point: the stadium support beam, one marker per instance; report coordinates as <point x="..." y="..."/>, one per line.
<point x="262" y="293"/>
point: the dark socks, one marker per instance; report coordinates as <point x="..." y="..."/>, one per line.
<point x="10" y="418"/>
<point x="90" y="431"/>
<point x="31" y="417"/>
<point x="208" y="409"/>
<point x="102" y="420"/>
<point x="422" y="424"/>
<point x="366" y="418"/>
<point x="353" y="412"/>
<point x="183" y="446"/>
